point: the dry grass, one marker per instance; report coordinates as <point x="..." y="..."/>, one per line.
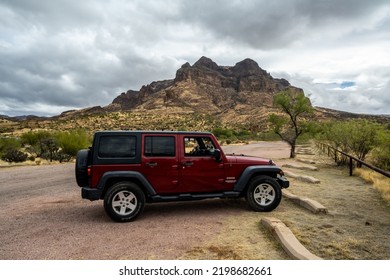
<point x="241" y="238"/>
<point x="380" y="182"/>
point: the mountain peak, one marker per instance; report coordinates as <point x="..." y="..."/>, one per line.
<point x="207" y="87"/>
<point x="205" y="62"/>
<point x="248" y="63"/>
<point x="248" y="67"/>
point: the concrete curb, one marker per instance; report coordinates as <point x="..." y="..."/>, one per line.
<point x="308" y="161"/>
<point x="307" y="203"/>
<point x="288" y="240"/>
<point x="302" y="178"/>
<point x="301" y="167"/>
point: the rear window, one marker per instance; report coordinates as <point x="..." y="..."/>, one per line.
<point x="159" y="146"/>
<point x="117" y="146"/>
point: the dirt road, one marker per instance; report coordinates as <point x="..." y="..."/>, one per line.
<point x="43" y="217"/>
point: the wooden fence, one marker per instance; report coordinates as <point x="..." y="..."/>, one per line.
<point x="332" y="152"/>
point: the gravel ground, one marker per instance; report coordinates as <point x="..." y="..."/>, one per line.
<point x="42" y="216"/>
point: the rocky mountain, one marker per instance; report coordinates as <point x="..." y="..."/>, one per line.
<point x="206" y="87"/>
<point x="200" y="97"/>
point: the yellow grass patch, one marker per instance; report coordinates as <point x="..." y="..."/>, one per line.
<point x="380" y="182"/>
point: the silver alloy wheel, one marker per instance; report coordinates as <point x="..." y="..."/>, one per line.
<point x="264" y="194"/>
<point x="124" y="202"/>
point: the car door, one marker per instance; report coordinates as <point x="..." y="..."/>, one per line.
<point x="160" y="162"/>
<point x="199" y="171"/>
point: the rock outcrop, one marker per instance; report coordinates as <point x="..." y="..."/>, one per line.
<point x="207" y="87"/>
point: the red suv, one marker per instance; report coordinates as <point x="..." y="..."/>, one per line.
<point x="130" y="168"/>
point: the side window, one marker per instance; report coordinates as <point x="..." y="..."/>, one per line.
<point x="117" y="146"/>
<point x="159" y="146"/>
<point x="198" y="146"/>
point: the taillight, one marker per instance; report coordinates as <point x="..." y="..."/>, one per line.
<point x="89" y="171"/>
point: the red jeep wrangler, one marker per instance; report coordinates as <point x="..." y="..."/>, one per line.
<point x="129" y="168"/>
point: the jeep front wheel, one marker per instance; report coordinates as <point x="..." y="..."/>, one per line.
<point x="124" y="201"/>
<point x="263" y="194"/>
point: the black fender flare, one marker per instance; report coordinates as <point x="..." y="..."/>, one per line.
<point x="126" y="175"/>
<point x="248" y="173"/>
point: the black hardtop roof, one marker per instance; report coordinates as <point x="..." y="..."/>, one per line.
<point x="151" y="132"/>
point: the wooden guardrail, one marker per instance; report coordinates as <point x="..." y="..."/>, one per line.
<point x="334" y="152"/>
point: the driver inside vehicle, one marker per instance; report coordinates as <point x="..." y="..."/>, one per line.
<point x="199" y="146"/>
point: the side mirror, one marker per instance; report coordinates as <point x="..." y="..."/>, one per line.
<point x="217" y="155"/>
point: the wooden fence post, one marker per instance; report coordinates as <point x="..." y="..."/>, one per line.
<point x="350" y="166"/>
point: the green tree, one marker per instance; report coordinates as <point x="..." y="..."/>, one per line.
<point x="356" y="137"/>
<point x="291" y="124"/>
<point x="364" y="137"/>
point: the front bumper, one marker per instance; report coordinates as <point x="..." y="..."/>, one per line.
<point x="283" y="182"/>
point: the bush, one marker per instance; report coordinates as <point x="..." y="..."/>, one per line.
<point x="14" y="155"/>
<point x="381" y="154"/>
<point x="231" y="135"/>
<point x="73" y="141"/>
<point x="9" y="143"/>
<point x="34" y="138"/>
<point x="56" y="145"/>
<point x="49" y="148"/>
<point x="357" y="137"/>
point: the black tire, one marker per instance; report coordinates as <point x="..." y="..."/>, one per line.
<point x="81" y="168"/>
<point x="263" y="194"/>
<point x="124" y="202"/>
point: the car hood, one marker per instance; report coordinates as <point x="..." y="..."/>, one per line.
<point x="250" y="160"/>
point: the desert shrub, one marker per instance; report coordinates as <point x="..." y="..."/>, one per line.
<point x="381" y="154"/>
<point x="268" y="136"/>
<point x="337" y="134"/>
<point x="34" y="138"/>
<point x="49" y="148"/>
<point x="56" y="145"/>
<point x="14" y="155"/>
<point x="356" y="137"/>
<point x="230" y="135"/>
<point x="34" y="141"/>
<point x="73" y="141"/>
<point x="9" y="143"/>
<point x="57" y="155"/>
<point x="223" y="133"/>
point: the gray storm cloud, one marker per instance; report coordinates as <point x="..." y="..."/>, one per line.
<point x="60" y="55"/>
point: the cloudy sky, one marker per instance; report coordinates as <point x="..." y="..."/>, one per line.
<point x="58" y="55"/>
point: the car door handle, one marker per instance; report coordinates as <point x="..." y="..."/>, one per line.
<point x="187" y="163"/>
<point x="151" y="164"/>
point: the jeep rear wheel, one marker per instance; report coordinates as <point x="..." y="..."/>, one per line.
<point x="124" y="201"/>
<point x="263" y="194"/>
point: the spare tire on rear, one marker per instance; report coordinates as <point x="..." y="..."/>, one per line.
<point x="82" y="162"/>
